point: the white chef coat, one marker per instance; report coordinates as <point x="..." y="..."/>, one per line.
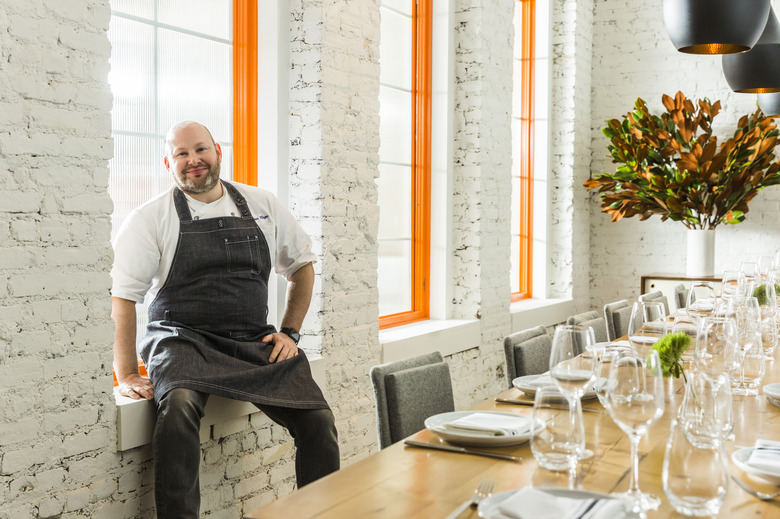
<point x="146" y="243"/>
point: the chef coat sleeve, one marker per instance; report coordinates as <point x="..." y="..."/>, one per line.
<point x="136" y="258"/>
<point x="293" y="245"/>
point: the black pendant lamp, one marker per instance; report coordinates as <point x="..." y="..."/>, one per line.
<point x="758" y="70"/>
<point x="769" y="104"/>
<point x="715" y="26"/>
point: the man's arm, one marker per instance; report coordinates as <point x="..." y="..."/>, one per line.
<point x="131" y="383"/>
<point x="298" y="300"/>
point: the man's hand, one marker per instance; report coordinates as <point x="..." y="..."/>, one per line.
<point x="137" y="387"/>
<point x="284" y="347"/>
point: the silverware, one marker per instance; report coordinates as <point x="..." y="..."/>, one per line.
<point x="452" y="448"/>
<point x="530" y="403"/>
<point x="761" y="495"/>
<point x="484" y="490"/>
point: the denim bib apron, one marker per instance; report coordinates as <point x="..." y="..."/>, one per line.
<point x="207" y="321"/>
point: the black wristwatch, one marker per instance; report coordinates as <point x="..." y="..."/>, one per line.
<point x="292" y="333"/>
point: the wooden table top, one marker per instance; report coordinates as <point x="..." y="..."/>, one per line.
<point x="408" y="482"/>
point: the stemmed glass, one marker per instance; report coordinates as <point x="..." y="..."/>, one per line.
<point x="647" y="325"/>
<point x="717" y="354"/>
<point x="732" y="283"/>
<point x="747" y="316"/>
<point x="701" y="299"/>
<point x="764" y="264"/>
<point x="635" y="401"/>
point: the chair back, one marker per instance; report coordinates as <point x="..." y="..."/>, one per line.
<point x="407" y="392"/>
<point x="527" y="353"/>
<point x="617" y="315"/>
<point x="681" y="296"/>
<point x="593" y="320"/>
<point x="656" y="296"/>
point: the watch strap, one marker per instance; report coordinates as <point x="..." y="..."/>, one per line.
<point x="292" y="333"/>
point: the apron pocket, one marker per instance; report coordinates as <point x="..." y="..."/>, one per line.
<point x="243" y="255"/>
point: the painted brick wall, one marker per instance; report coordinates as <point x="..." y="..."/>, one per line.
<point x="647" y="65"/>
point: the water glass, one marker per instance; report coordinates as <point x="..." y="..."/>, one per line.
<point x="572" y="359"/>
<point x="647" y="325"/>
<point x="695" y="476"/>
<point x="732" y="283"/>
<point x="717" y="350"/>
<point x="706" y="410"/>
<point x="558" y="437"/>
<point x="769" y="336"/>
<point x="702" y="299"/>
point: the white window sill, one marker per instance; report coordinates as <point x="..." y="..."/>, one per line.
<point x="530" y="313"/>
<point x="135" y="418"/>
<point x="446" y="336"/>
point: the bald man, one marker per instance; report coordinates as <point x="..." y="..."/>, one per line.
<point x="201" y="254"/>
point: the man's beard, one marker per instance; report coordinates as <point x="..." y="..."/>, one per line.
<point x="197" y="186"/>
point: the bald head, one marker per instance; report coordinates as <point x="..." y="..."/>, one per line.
<point x="178" y="128"/>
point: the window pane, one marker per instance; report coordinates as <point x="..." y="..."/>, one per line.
<point x="195" y="82"/>
<point x="132" y="75"/>
<point x="211" y="17"/>
<point x="394" y="276"/>
<point x="515" y="252"/>
<point x="395" y="50"/>
<point x="395" y="129"/>
<point x="395" y="201"/>
<point x="402" y="6"/>
<point x="140" y="8"/>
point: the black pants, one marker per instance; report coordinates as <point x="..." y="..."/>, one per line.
<point x="176" y="447"/>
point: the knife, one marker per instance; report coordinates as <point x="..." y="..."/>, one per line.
<point x="530" y="403"/>
<point x="452" y="448"/>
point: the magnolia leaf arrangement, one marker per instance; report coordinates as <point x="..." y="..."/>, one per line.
<point x="670" y="164"/>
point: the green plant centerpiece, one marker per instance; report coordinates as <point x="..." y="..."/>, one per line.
<point x="670" y="164"/>
<point x="760" y="293"/>
<point x="670" y="350"/>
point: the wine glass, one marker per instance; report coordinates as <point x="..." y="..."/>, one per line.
<point x="717" y="349"/>
<point x="647" y="325"/>
<point x="764" y="264"/>
<point x="701" y="299"/>
<point x="731" y="283"/>
<point x="747" y="316"/>
<point x="635" y="401"/>
<point x="572" y="361"/>
<point x="749" y="269"/>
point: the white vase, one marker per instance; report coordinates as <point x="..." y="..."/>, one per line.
<point x="701" y="253"/>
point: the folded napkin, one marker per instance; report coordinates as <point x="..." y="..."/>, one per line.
<point x="530" y="503"/>
<point x="765" y="456"/>
<point x="493" y="424"/>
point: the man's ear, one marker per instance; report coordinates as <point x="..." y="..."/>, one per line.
<point x="167" y="164"/>
<point x="219" y="149"/>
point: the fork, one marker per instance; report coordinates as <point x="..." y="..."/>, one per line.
<point x="484" y="490"/>
<point x="761" y="495"/>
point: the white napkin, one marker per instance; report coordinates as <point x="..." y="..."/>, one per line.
<point x="765" y="456"/>
<point x="493" y="424"/>
<point x="530" y="503"/>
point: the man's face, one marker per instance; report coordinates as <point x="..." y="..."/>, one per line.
<point x="194" y="159"/>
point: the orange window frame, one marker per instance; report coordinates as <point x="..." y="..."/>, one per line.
<point x="245" y="91"/>
<point x="526" y="166"/>
<point x="422" y="29"/>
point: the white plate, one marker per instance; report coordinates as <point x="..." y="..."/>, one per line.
<point x="488" y="507"/>
<point x="525" y="384"/>
<point x="741" y="457"/>
<point x="772" y="391"/>
<point x="475" y="438"/>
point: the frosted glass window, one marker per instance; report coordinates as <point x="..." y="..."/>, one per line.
<point x="209" y="17"/>
<point x="169" y="62"/>
<point x="394" y="266"/>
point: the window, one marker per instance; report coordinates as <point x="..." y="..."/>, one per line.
<point x="404" y="162"/>
<point x="529" y="135"/>
<point x="171" y="62"/>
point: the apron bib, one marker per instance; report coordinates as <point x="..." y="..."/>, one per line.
<point x="207" y="321"/>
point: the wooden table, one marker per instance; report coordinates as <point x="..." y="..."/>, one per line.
<point x="404" y="482"/>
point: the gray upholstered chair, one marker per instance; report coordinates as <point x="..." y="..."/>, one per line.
<point x="407" y="392"/>
<point x="592" y="319"/>
<point x="656" y="296"/>
<point x="527" y="353"/>
<point x="617" y="315"/>
<point x="681" y="296"/>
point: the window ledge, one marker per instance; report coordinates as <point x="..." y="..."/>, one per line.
<point x="446" y="336"/>
<point x="540" y="312"/>
<point x="135" y="418"/>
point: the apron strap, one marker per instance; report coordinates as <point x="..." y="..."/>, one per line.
<point x="183" y="210"/>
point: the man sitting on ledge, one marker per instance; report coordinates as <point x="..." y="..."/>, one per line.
<point x="203" y="252"/>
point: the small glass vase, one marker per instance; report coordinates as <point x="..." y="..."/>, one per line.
<point x="695" y="476"/>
